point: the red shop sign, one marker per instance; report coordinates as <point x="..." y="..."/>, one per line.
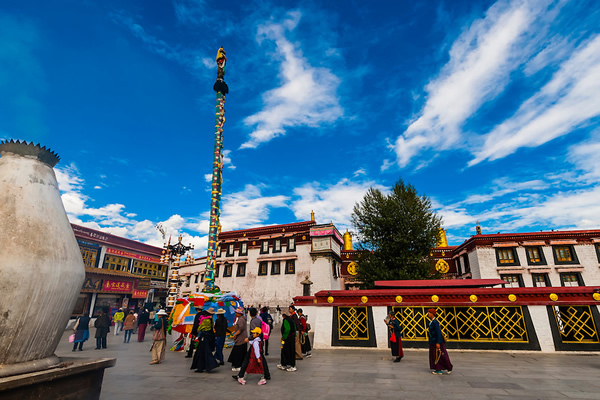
<point x="116" y="286"/>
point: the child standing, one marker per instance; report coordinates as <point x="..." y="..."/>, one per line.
<point x="255" y="366"/>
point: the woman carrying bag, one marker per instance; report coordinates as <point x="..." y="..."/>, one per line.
<point x="395" y="336"/>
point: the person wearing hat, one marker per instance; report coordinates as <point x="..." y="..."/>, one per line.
<point x="203" y="358"/>
<point x="238" y="353"/>
<point x="438" y="355"/>
<point x="194" y="333"/>
<point x="159" y="345"/>
<point x="257" y="362"/>
<point x="255" y="323"/>
<point x="220" y="334"/>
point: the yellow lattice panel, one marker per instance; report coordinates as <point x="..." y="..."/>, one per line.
<point x="353" y="323"/>
<point x="576" y="324"/>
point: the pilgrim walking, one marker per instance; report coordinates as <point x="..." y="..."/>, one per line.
<point x="438" y="355"/>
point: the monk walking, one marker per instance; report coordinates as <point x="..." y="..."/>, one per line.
<point x="438" y="355"/>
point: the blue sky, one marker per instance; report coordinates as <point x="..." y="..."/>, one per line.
<point x="490" y="108"/>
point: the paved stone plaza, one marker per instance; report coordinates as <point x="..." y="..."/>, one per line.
<point x="349" y="374"/>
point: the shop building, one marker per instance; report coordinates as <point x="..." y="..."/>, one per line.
<point x="119" y="272"/>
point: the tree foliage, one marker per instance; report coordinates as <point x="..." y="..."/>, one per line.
<point x="397" y="232"/>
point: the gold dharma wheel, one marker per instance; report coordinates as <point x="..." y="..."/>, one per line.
<point x="596" y="296"/>
<point x="353" y="268"/>
<point x="473" y="298"/>
<point x="512" y="297"/>
<point x="330" y="299"/>
<point x="442" y="267"/>
<point x="398" y="299"/>
<point x="553" y="296"/>
<point x="435" y="298"/>
<point x="364" y="299"/>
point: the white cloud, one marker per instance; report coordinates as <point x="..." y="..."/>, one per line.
<point x="359" y="172"/>
<point x="481" y="60"/>
<point x="387" y="164"/>
<point x="307" y="96"/>
<point x="208" y="177"/>
<point x="248" y="208"/>
<point x="330" y="202"/>
<point x="227" y="159"/>
<point x="569" y="100"/>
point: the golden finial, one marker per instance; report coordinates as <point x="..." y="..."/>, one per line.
<point x="442" y="240"/>
<point x="347" y="240"/>
<point x="312" y="215"/>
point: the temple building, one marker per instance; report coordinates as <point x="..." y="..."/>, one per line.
<point x="119" y="272"/>
<point x="535" y="259"/>
<point x="271" y="265"/>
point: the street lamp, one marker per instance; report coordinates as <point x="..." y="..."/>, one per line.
<point x="175" y="255"/>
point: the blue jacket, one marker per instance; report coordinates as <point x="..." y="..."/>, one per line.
<point x="435" y="333"/>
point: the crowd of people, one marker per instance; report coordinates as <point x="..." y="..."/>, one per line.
<point x="131" y="323"/>
<point x="250" y="340"/>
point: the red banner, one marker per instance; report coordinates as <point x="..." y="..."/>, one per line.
<point x="117" y="286"/>
<point x="127" y="254"/>
<point x="139" y="294"/>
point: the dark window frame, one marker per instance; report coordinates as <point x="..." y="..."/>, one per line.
<point x="574" y="259"/>
<point x="577" y="276"/>
<point x="519" y="279"/>
<point x="265" y="269"/>
<point x="291" y="244"/>
<point x="216" y="271"/>
<point x="230" y="246"/>
<point x="466" y="263"/>
<point x="243" y="253"/>
<point x="262" y="247"/>
<point x="514" y="253"/>
<point x="278" y="272"/>
<point x="293" y="271"/>
<point x="275" y="241"/>
<point x="227" y="270"/>
<point x="546" y="278"/>
<point x="540" y="252"/>
<point x="241" y="269"/>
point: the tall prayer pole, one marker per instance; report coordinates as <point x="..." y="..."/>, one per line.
<point x="217" y="176"/>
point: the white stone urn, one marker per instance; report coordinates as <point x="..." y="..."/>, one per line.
<point x="41" y="268"/>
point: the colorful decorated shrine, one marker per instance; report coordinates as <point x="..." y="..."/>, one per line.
<point x="182" y="316"/>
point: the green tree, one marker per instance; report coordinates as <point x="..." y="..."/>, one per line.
<point x="397" y="232"/>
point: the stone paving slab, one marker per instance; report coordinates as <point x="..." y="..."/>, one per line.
<point x="348" y="374"/>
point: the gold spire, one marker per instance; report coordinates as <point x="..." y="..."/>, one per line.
<point x="442" y="240"/>
<point x="347" y="240"/>
<point x="478" y="228"/>
<point x="312" y="215"/>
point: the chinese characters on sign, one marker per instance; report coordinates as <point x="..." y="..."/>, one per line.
<point x="123" y="253"/>
<point x="116" y="286"/>
<point x="139" y="294"/>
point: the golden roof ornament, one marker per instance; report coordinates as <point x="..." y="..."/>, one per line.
<point x="347" y="241"/>
<point x="442" y="240"/>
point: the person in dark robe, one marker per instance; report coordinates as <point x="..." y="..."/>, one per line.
<point x="395" y="337"/>
<point x="294" y="317"/>
<point x="203" y="357"/>
<point x="143" y="319"/>
<point x="194" y="333"/>
<point x="438" y="355"/>
<point x="81" y="331"/>
<point x="220" y="334"/>
<point x="102" y="325"/>
<point x="238" y="353"/>
<point x="288" y="341"/>
<point x="255" y="323"/>
<point x="304" y="339"/>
